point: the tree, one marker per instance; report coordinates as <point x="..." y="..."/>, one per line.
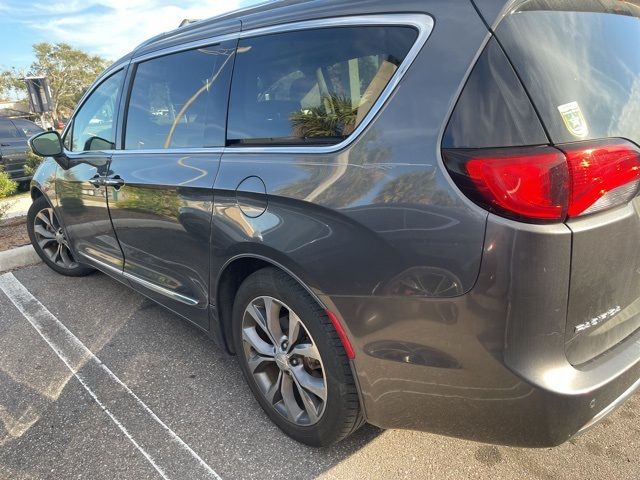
<point x="11" y="81"/>
<point x="70" y="72"/>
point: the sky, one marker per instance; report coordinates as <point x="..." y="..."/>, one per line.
<point x="109" y="28"/>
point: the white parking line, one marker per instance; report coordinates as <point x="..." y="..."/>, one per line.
<point x="169" y="455"/>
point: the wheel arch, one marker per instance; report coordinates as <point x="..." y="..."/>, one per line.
<point x="36" y="193"/>
<point x="232" y="274"/>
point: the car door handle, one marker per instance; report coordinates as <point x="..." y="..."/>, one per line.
<point x="5" y="144"/>
<point x="116" y="181"/>
<point x="97" y="181"/>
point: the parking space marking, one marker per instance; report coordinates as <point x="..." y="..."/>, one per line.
<point x="169" y="455"/>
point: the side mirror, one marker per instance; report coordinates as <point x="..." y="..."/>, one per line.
<point x="49" y="144"/>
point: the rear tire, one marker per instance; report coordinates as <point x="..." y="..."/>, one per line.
<point x="289" y="380"/>
<point x="49" y="241"/>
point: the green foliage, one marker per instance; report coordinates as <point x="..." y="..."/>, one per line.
<point x="70" y="72"/>
<point x="32" y="163"/>
<point x="7" y="187"/>
<point x="147" y="200"/>
<point x="336" y="117"/>
<point x="12" y="81"/>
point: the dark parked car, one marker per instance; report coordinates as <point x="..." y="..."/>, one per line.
<point x="14" y="133"/>
<point x="418" y="214"/>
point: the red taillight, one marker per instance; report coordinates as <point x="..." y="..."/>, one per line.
<point x="530" y="186"/>
<point x="546" y="184"/>
<point x="599" y="170"/>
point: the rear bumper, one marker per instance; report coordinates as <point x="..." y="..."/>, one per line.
<point x="628" y="393"/>
<point x="489" y="365"/>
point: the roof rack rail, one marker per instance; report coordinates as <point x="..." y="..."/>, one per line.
<point x="187" y="21"/>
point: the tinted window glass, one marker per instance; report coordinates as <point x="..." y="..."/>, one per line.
<point x="7" y="130"/>
<point x="94" y="125"/>
<point x="493" y="110"/>
<point x="582" y="68"/>
<point x="180" y="100"/>
<point x="29" y="128"/>
<point x="311" y="86"/>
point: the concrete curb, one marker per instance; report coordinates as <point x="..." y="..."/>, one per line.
<point x="17" y="258"/>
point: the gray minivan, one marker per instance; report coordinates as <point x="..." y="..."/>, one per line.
<point x="418" y="214"/>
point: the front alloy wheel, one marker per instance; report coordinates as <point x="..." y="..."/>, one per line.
<point x="284" y="360"/>
<point x="49" y="241"/>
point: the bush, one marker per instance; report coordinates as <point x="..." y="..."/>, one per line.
<point x="7" y="187"/>
<point x="32" y="163"/>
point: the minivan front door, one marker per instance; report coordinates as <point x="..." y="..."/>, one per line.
<point x="173" y="138"/>
<point x="82" y="203"/>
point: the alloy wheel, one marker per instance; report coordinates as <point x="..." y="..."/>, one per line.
<point x="284" y="361"/>
<point x="51" y="239"/>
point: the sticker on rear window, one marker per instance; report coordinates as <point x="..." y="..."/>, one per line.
<point x="574" y="119"/>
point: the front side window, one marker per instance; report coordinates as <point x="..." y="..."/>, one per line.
<point x="180" y="100"/>
<point x="94" y="124"/>
<point x="311" y="86"/>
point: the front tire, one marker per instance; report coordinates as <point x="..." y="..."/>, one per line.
<point x="293" y="360"/>
<point x="49" y="240"/>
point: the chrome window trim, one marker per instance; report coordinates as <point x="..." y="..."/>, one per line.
<point x="164" y="151"/>
<point x="422" y="22"/>
<point x="149" y="151"/>
<point x="183" y="47"/>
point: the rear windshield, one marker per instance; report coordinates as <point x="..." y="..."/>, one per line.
<point x="580" y="62"/>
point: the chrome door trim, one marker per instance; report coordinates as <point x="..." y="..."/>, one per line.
<point x="145" y="283"/>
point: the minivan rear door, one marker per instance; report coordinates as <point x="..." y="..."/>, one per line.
<point x="580" y="63"/>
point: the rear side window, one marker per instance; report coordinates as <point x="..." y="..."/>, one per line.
<point x="180" y="100"/>
<point x="7" y="130"/>
<point x="581" y="65"/>
<point x="312" y="86"/>
<point x="29" y="128"/>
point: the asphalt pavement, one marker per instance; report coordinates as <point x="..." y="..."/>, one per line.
<point x="98" y="382"/>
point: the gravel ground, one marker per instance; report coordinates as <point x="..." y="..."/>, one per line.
<point x="13" y="233"/>
<point x="51" y="427"/>
<point x="17" y="205"/>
